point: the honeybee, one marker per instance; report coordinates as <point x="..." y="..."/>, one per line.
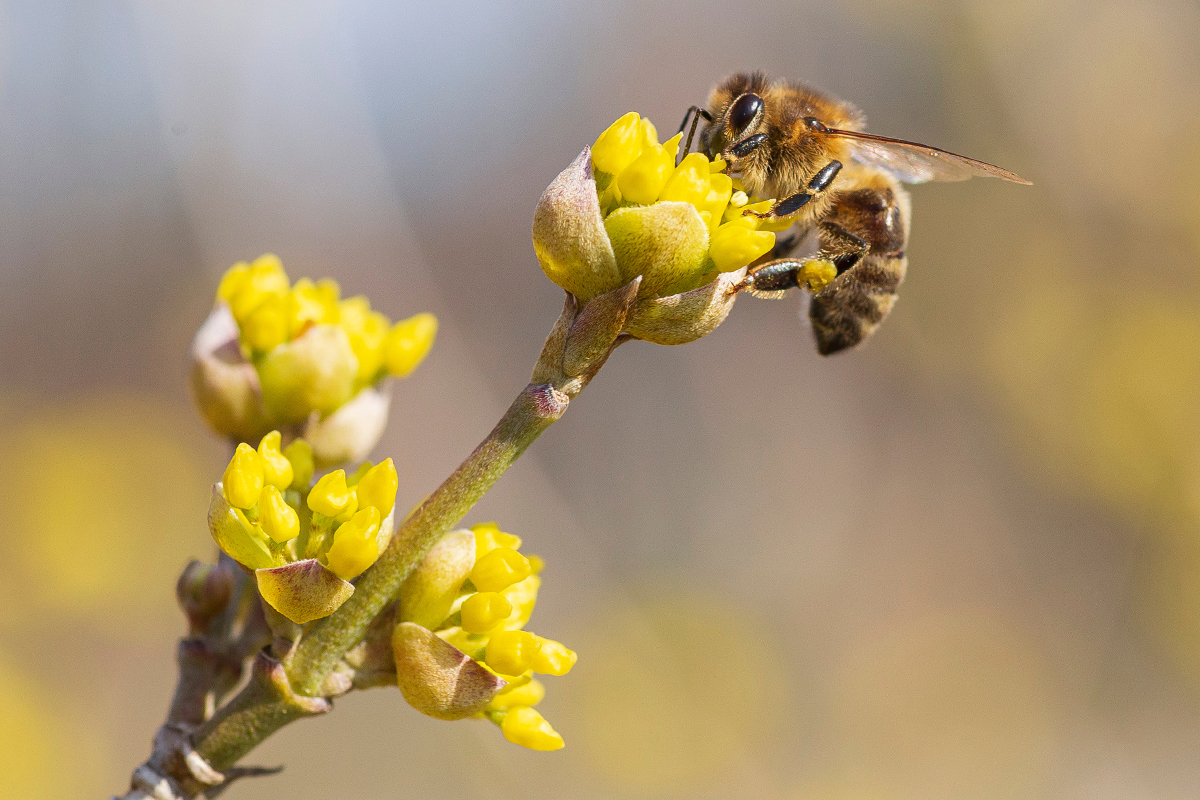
<point x="786" y="140"/>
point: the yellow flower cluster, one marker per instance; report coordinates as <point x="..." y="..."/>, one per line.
<point x="633" y="169"/>
<point x="271" y="311"/>
<point x="268" y="519"/>
<point x="486" y="622"/>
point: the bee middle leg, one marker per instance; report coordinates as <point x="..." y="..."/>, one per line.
<point x="793" y="203"/>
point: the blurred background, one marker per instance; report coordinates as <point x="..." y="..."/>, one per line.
<point x="963" y="562"/>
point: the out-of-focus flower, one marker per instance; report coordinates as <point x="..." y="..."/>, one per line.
<point x="623" y="209"/>
<point x="298" y="358"/>
<point x="303" y="544"/>
<point x="460" y="645"/>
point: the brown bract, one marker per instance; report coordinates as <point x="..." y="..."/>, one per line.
<point x="437" y="678"/>
<point x="303" y="590"/>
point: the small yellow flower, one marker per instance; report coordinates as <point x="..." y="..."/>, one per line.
<point x="277" y="469"/>
<point x="279" y="520"/>
<point x="355" y="544"/>
<point x="408" y="342"/>
<point x="526" y="727"/>
<point x="482" y="612"/>
<point x="377" y="487"/>
<point x="499" y="569"/>
<point x="243" y="477"/>
<point x="303" y="544"/>
<point x="273" y="355"/>
<point x="330" y="495"/>
<point x="481" y="628"/>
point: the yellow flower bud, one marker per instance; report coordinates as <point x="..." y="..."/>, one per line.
<point x="265" y="327"/>
<point x="243" y="477"/>
<point x="483" y="611"/>
<point x="511" y="652"/>
<point x="278" y="519"/>
<point x="330" y="495"/>
<point x="311" y="304"/>
<point x="644" y="179"/>
<point x="817" y="274"/>
<point x="408" y="342"/>
<point x="734" y="245"/>
<point x="300" y="455"/>
<point x="719" y="193"/>
<point x="690" y="181"/>
<point x="314" y="372"/>
<point x="277" y="470"/>
<point x="377" y="488"/>
<point x="367" y="336"/>
<point x="263" y="278"/>
<point x="526" y="727"/>
<point x="354" y="544"/>
<point x="536" y="563"/>
<point x="526" y="694"/>
<point x="232" y="280"/>
<point x="618" y="146"/>
<point x="488" y="537"/>
<point x="553" y="658"/>
<point x="499" y="569"/>
<point x="523" y="596"/>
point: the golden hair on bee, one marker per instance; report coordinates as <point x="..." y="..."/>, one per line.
<point x="809" y="150"/>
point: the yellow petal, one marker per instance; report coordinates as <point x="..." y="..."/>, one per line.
<point x="511" y="652"/>
<point x="483" y="611"/>
<point x="408" y="342"/>
<point x="377" y="487"/>
<point x="355" y="546"/>
<point x="734" y="246"/>
<point x="277" y="470"/>
<point x="278" y="519"/>
<point x="619" y="145"/>
<point x="499" y="569"/>
<point x="330" y="495"/>
<point x="553" y="658"/>
<point x="300" y="455"/>
<point x="528" y="728"/>
<point x="243" y="477"/>
<point x="529" y="694"/>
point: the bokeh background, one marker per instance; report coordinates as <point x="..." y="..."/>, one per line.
<point x="963" y="562"/>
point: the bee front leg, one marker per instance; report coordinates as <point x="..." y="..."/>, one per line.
<point x="687" y="146"/>
<point x="793" y="203"/>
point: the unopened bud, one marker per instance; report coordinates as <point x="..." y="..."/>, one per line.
<point x="203" y="591"/>
<point x="243" y="477"/>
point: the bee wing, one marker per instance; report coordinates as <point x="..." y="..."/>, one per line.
<point x="918" y="163"/>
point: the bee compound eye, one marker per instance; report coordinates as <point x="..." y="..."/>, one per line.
<point x="744" y="110"/>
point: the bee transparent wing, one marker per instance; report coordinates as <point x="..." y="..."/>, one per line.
<point x="918" y="163"/>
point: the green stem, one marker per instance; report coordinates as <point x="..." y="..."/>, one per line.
<point x="534" y="410"/>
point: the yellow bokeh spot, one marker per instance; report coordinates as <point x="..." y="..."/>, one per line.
<point x="677" y="696"/>
<point x="956" y="704"/>
<point x="105" y="504"/>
